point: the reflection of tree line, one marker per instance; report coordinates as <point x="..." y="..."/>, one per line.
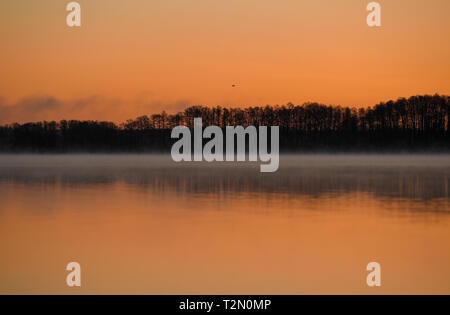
<point x="417" y="184"/>
<point x="417" y="123"/>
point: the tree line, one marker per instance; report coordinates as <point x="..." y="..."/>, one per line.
<point x="419" y="123"/>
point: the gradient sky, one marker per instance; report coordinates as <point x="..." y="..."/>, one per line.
<point x="136" y="57"/>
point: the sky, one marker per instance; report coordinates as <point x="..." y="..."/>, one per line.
<point x="136" y="57"/>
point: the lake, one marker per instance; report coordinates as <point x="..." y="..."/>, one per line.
<point x="145" y="224"/>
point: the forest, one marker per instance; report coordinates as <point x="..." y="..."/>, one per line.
<point x="415" y="124"/>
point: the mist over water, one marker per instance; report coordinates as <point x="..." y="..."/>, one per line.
<point x="166" y="227"/>
<point x="418" y="177"/>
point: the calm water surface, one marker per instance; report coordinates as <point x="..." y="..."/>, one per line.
<point x="144" y="224"/>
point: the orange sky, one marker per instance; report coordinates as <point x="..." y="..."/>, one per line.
<point x="136" y="57"/>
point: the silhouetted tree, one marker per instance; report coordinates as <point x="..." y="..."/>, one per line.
<point x="417" y="123"/>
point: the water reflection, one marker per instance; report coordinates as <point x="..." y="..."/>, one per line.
<point x="416" y="178"/>
<point x="143" y="224"/>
